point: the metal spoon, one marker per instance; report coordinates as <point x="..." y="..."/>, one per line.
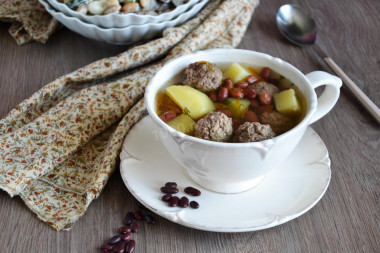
<point x="299" y="27"/>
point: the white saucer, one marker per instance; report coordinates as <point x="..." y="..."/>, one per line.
<point x="284" y="194"/>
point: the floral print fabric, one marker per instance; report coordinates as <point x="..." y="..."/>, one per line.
<point x="59" y="147"/>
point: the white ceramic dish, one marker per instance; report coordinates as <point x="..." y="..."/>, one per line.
<point x="286" y="192"/>
<point x="235" y="167"/>
<point x="127" y="35"/>
<point x="116" y="20"/>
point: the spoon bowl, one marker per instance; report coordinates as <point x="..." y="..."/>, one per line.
<point x="296" y="25"/>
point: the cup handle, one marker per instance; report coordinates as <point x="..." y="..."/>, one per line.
<point x="330" y="95"/>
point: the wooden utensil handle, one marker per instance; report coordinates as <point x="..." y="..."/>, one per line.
<point x="368" y="104"/>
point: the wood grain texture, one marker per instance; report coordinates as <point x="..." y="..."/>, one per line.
<point x="347" y="219"/>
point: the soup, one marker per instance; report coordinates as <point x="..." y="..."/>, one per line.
<point x="234" y="103"/>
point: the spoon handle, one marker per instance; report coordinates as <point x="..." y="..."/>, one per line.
<point x="367" y="103"/>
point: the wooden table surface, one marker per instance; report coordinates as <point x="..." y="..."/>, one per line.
<point x="346" y="219"/>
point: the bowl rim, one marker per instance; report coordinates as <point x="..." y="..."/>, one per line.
<point x="163" y="16"/>
<point x="46" y="4"/>
<point x="150" y="93"/>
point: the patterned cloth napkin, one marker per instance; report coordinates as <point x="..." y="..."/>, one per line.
<point x="59" y="147"/>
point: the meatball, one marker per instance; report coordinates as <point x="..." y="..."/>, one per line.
<point x="215" y="126"/>
<point x="253" y="131"/>
<point x="280" y="123"/>
<point x="203" y="76"/>
<point x="261" y="87"/>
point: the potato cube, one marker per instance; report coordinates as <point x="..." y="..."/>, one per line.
<point x="192" y="101"/>
<point x="237" y="73"/>
<point x="287" y="103"/>
<point x="183" y="123"/>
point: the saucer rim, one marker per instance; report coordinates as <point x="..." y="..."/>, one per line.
<point x="249" y="228"/>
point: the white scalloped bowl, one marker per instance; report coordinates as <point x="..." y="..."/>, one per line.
<point x="117" y="20"/>
<point x="127" y="35"/>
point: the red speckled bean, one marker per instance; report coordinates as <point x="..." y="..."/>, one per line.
<point x="222" y="94"/>
<point x="168" y="116"/>
<point x="250" y="116"/>
<point x="265" y="98"/>
<point x="213" y="96"/>
<point x="251" y="79"/>
<point x="228" y="83"/>
<point x="241" y="84"/>
<point x="265" y="73"/>
<point x="249" y="93"/>
<point x="227" y="112"/>
<point x="192" y="191"/>
<point x="236" y="93"/>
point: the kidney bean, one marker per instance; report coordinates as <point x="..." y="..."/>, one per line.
<point x="149" y="219"/>
<point x="129" y="218"/>
<point x="213" y="96"/>
<point x="265" y="73"/>
<point x="171" y="184"/>
<point x="126" y="236"/>
<point x="265" y="98"/>
<point x="134" y="227"/>
<point x="192" y="191"/>
<point x="194" y="204"/>
<point x="170" y="190"/>
<point x="174" y="201"/>
<point x="138" y="215"/>
<point x="167" y="197"/>
<point x="254" y="103"/>
<point x="236" y="123"/>
<point x="130" y="246"/>
<point x="222" y="94"/>
<point x="250" y="93"/>
<point x="264" y="108"/>
<point x="184" y="202"/>
<point x="168" y="116"/>
<point x="106" y="246"/>
<point x="250" y="116"/>
<point x="241" y="84"/>
<point x="251" y="79"/>
<point x="236" y="93"/>
<point x="228" y="83"/>
<point x="114" y="239"/>
<point x="125" y="229"/>
<point x="120" y="247"/>
<point x="227" y="112"/>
